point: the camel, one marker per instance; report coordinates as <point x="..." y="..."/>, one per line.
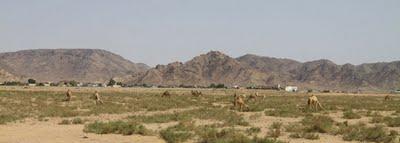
<point x="166" y="94"/>
<point x="387" y="97"/>
<point x="314" y="103"/>
<point x="68" y="96"/>
<point x="97" y="98"/>
<point x="197" y="93"/>
<point x="238" y="101"/>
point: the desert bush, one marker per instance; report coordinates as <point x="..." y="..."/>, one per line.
<point x="212" y="135"/>
<point x="360" y="132"/>
<point x="392" y="122"/>
<point x="8" y="118"/>
<point x="116" y="127"/>
<point x="77" y="121"/>
<point x="319" y="123"/>
<point x="253" y="131"/>
<point x="284" y="112"/>
<point x="310" y="136"/>
<point x="275" y="130"/>
<point x="349" y="114"/>
<point x="179" y="133"/>
<point x="65" y="122"/>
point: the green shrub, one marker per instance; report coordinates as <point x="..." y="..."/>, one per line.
<point x="393" y="122"/>
<point x="360" y="132"/>
<point x="65" y="122"/>
<point x="116" y="127"/>
<point x="253" y="130"/>
<point x="77" y="121"/>
<point x="320" y="124"/>
<point x="8" y="118"/>
<point x="349" y="114"/>
<point x="179" y="133"/>
<point x="275" y="130"/>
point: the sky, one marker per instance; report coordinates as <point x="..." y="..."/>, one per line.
<point x="164" y="31"/>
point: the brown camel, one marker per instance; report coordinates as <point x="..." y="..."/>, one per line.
<point x="196" y="93"/>
<point x="68" y="96"/>
<point x="314" y="103"/>
<point x="387" y="97"/>
<point x="166" y="94"/>
<point x="238" y="101"/>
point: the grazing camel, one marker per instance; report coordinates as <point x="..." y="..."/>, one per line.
<point x="166" y="94"/>
<point x="314" y="103"/>
<point x="197" y="93"/>
<point x="238" y="101"/>
<point x="68" y="96"/>
<point x="97" y="98"/>
<point x="387" y="97"/>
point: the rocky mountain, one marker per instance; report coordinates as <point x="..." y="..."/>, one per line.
<point x="85" y="65"/>
<point x="213" y="67"/>
<point x="216" y="67"/>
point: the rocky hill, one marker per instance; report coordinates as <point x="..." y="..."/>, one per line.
<point x="247" y="70"/>
<point x="86" y="65"/>
<point x="213" y="67"/>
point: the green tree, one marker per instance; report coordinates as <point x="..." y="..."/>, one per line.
<point x="31" y="81"/>
<point x="111" y="82"/>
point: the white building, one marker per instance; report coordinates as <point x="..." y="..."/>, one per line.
<point x="291" y="88"/>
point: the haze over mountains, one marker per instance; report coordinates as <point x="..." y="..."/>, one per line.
<point x="88" y="65"/>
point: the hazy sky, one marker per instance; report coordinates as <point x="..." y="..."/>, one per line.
<point x="163" y="31"/>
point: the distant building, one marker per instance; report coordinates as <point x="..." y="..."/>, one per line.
<point x="291" y="88"/>
<point x="31" y="84"/>
<point x="46" y="83"/>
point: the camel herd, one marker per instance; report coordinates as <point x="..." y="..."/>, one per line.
<point x="238" y="100"/>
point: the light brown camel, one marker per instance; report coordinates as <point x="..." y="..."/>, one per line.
<point x="314" y="103"/>
<point x="166" y="94"/>
<point x="96" y="96"/>
<point x="196" y="93"/>
<point x="238" y="101"/>
<point x="68" y="96"/>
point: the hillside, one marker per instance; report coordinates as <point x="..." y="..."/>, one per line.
<point x="213" y="67"/>
<point x="86" y="65"/>
<point x="216" y="67"/>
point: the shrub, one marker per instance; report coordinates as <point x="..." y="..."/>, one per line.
<point x="310" y="136"/>
<point x="392" y="122"/>
<point x="179" y="133"/>
<point x="349" y="114"/>
<point x="65" y="122"/>
<point x="253" y="130"/>
<point x="360" y="132"/>
<point x="7" y="118"/>
<point x="320" y="124"/>
<point x="116" y="127"/>
<point x="77" y="121"/>
<point x="275" y="130"/>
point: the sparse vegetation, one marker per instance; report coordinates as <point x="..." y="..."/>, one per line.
<point x="349" y="114"/>
<point x="116" y="127"/>
<point x="209" y="119"/>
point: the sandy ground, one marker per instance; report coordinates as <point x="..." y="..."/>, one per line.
<point x="50" y="132"/>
